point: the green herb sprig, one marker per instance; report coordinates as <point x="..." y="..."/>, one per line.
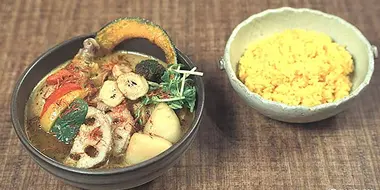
<point x="176" y="89"/>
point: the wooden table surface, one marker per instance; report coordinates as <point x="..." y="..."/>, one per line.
<point x="236" y="148"/>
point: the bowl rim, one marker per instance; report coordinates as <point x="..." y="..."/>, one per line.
<point x="233" y="78"/>
<point x="34" y="151"/>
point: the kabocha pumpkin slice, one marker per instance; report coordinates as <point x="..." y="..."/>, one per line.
<point x="127" y="28"/>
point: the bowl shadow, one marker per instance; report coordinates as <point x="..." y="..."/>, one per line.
<point x="326" y="124"/>
<point x="218" y="113"/>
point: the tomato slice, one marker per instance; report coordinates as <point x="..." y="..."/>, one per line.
<point x="58" y="76"/>
<point x="58" y="93"/>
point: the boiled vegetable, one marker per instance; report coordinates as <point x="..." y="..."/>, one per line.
<point x="164" y="123"/>
<point x="110" y="94"/>
<point x="132" y="85"/>
<point x="127" y="28"/>
<point x="151" y="70"/>
<point x="143" y="147"/>
<point x="58" y="93"/>
<point x="55" y="109"/>
<point x="67" y="125"/>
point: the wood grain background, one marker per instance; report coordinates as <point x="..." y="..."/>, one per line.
<point x="236" y="148"/>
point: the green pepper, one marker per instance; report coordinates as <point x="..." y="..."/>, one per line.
<point x="67" y="125"/>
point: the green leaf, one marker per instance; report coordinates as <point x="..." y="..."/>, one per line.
<point x="65" y="132"/>
<point x="151" y="88"/>
<point x="165" y="77"/>
<point x="146" y="100"/>
<point x="67" y="125"/>
<point x="175" y="104"/>
<point x="190" y="97"/>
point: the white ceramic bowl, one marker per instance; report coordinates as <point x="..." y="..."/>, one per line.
<point x="276" y="20"/>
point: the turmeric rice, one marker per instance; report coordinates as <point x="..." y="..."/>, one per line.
<point x="297" y="67"/>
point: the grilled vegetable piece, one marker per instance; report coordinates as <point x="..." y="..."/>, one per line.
<point x="132" y="85"/>
<point x="151" y="70"/>
<point x="127" y="28"/>
<point x="93" y="144"/>
<point x="164" y="123"/>
<point x="110" y="94"/>
<point x="58" y="93"/>
<point x="144" y="147"/>
<point x="55" y="109"/>
<point x="67" y="125"/>
<point x="118" y="70"/>
<point x="122" y="127"/>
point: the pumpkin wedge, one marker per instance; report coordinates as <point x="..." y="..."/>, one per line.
<point x="128" y="28"/>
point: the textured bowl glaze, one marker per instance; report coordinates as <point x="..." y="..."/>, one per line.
<point x="121" y="178"/>
<point x="275" y="20"/>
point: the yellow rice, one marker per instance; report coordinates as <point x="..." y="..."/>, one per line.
<point x="297" y="67"/>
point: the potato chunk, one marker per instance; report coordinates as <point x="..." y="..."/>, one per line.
<point x="144" y="147"/>
<point x="164" y="123"/>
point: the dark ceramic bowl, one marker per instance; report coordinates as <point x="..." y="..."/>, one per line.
<point x="121" y="178"/>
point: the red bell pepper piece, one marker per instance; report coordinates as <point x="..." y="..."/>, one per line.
<point x="58" y="93"/>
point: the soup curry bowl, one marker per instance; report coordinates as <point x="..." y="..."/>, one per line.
<point x="101" y="178"/>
